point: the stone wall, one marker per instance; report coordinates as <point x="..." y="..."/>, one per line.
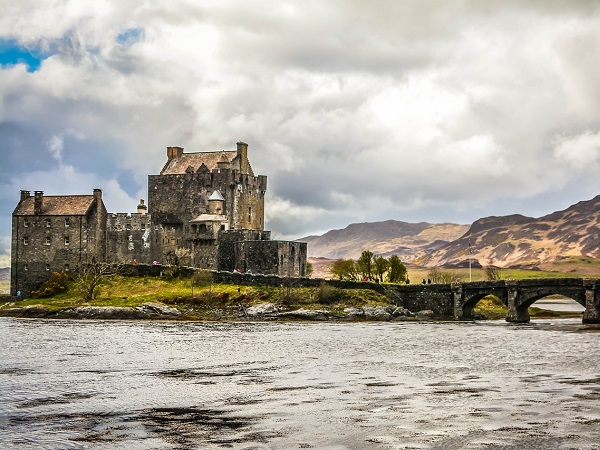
<point x="129" y="237"/>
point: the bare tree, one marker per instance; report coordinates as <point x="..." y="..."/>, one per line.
<point x="493" y="273"/>
<point x="87" y="277"/>
<point x="439" y="276"/>
<point x="176" y="259"/>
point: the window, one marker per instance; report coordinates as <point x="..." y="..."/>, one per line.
<point x="128" y="226"/>
<point x="66" y="267"/>
<point x="143" y="226"/>
<point x="47" y="267"/>
<point x="25" y="240"/>
<point x="67" y="223"/>
<point x="249" y="213"/>
<point x="26" y="223"/>
<point x="48" y="223"/>
<point x="26" y="267"/>
<point x="48" y="241"/>
<point x="66" y="240"/>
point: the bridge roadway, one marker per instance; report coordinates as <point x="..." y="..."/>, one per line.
<point x="459" y="299"/>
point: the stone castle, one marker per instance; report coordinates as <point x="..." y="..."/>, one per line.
<point x="210" y="203"/>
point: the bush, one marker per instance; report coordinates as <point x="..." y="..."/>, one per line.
<point x="55" y="285"/>
<point x="327" y="294"/>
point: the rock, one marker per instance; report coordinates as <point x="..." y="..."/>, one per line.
<point x="401" y="311"/>
<point x="262" y="309"/>
<point x="377" y="313"/>
<point x="156" y="309"/>
<point x="310" y="314"/>
<point x="425" y="314"/>
<point x="354" y="312"/>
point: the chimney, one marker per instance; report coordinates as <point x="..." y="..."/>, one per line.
<point x="174" y="152"/>
<point x="25" y="194"/>
<point x="141" y="208"/>
<point x="242" y="151"/>
<point x="38" y="202"/>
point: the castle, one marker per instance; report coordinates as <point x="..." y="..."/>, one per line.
<point x="210" y="203"/>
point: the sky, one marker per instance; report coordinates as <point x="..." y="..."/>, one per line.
<point x="412" y="110"/>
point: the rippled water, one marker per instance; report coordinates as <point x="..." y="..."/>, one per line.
<point x="154" y="385"/>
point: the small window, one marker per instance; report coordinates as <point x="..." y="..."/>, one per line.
<point x="26" y="223"/>
<point x="26" y="267"/>
<point x="48" y="223"/>
<point x="26" y="241"/>
<point x="66" y="267"/>
<point x="48" y="241"/>
<point x="222" y="227"/>
<point x="249" y="213"/>
<point x="66" y="240"/>
<point x="128" y="226"/>
<point x="67" y="223"/>
<point x="143" y="226"/>
<point x="47" y="267"/>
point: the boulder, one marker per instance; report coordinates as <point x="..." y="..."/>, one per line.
<point x="425" y="314"/>
<point x="354" y="312"/>
<point x="262" y="309"/>
<point x="152" y="309"/>
<point x="377" y="312"/>
<point x="401" y="311"/>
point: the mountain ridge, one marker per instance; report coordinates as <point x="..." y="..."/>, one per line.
<point x="514" y="240"/>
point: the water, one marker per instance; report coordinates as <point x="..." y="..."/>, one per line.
<point x="161" y="385"/>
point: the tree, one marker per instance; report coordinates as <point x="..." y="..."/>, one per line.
<point x="381" y="266"/>
<point x="397" y="270"/>
<point x="176" y="259"/>
<point x="443" y="276"/>
<point x="493" y="273"/>
<point x="201" y="278"/>
<point x="309" y="269"/>
<point x="344" y="268"/>
<point x="365" y="264"/>
<point x="87" y="277"/>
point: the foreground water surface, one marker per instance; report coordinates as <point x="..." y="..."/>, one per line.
<point x="164" y="385"/>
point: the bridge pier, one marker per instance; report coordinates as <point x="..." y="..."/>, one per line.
<point x="515" y="313"/>
<point x="592" y="302"/>
<point x="457" y="301"/>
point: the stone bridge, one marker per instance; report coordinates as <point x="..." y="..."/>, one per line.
<point x="458" y="299"/>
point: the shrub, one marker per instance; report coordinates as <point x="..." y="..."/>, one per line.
<point x="55" y="285"/>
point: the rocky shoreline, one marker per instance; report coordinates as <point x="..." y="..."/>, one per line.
<point x="263" y="311"/>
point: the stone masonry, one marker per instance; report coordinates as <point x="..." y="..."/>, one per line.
<point x="208" y="202"/>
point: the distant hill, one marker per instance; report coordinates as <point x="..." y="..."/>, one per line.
<point x="4" y="273"/>
<point x="520" y="241"/>
<point x="407" y="240"/>
<point x="506" y="241"/>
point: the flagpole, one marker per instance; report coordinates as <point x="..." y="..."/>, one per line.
<point x="470" y="253"/>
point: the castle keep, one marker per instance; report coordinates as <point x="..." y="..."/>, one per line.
<point x="209" y="202"/>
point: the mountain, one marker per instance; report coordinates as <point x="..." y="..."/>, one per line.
<point x="520" y="241"/>
<point x="407" y="240"/>
<point x="506" y="241"/>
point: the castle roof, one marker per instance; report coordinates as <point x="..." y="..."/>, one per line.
<point x="195" y="160"/>
<point x="56" y="205"/>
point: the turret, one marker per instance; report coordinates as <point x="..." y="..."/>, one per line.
<point x="141" y="208"/>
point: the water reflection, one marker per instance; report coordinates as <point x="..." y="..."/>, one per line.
<point x="142" y="385"/>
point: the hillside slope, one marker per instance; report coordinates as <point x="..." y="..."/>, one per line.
<point x="520" y="241"/>
<point x="406" y="240"/>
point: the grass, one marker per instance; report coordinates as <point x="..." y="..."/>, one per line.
<point x="211" y="301"/>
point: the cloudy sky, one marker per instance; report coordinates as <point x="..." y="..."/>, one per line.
<point x="414" y="110"/>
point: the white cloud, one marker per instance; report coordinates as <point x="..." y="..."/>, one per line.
<point x="581" y="152"/>
<point x="427" y="110"/>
